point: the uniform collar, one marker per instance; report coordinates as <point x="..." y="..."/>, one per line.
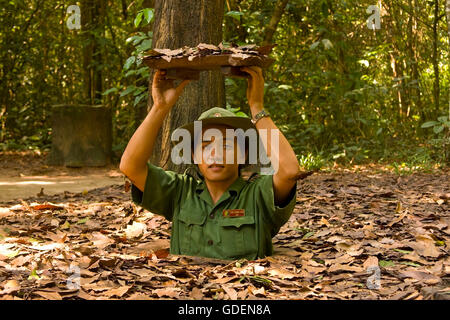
<point x="235" y="188"/>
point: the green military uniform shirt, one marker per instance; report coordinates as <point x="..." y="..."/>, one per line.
<point x="240" y="225"/>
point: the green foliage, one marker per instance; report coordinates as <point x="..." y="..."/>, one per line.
<point x="146" y="14"/>
<point x="340" y="92"/>
<point x="311" y="162"/>
<point x="237" y="111"/>
<point x="440" y="144"/>
<point x="234" y="14"/>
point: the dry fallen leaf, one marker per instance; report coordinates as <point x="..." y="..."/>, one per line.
<point x="49" y="295"/>
<point x="99" y="240"/>
<point x="10" y="286"/>
<point x="167" y="292"/>
<point x="119" y="292"/>
<point x="196" y="293"/>
<point x="425" y="246"/>
<point x="428" y="278"/>
<point x="135" y="230"/>
<point x="370" y="262"/>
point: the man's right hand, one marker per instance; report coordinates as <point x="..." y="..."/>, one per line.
<point x="164" y="93"/>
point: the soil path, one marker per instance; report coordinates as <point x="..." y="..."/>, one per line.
<point x="25" y="174"/>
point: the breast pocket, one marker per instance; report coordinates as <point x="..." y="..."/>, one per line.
<point x="190" y="231"/>
<point x="238" y="237"/>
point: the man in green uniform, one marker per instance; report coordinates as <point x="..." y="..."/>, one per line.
<point x="221" y="215"/>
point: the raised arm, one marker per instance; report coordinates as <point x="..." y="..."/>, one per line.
<point x="288" y="168"/>
<point x="140" y="147"/>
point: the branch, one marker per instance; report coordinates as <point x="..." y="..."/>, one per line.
<point x="276" y="17"/>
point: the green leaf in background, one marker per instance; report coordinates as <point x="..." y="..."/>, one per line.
<point x="443" y="119"/>
<point x="127" y="91"/>
<point x="138" y="19"/>
<point x="130" y="73"/>
<point x="139" y="90"/>
<point x="438" y="129"/>
<point x="111" y="90"/>
<point x="241" y="114"/>
<point x="148" y="14"/>
<point x="429" y="124"/>
<point x="139" y="98"/>
<point x="145" y="45"/>
<point x="314" y="45"/>
<point x="327" y="44"/>
<point x="143" y="72"/>
<point x="129" y="62"/>
<point x="234" y="14"/>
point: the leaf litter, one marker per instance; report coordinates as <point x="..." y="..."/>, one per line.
<point x="99" y="245"/>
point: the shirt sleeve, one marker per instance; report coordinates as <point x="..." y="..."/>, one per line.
<point x="277" y="216"/>
<point x="161" y="191"/>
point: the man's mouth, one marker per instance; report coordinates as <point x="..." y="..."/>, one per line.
<point x="216" y="166"/>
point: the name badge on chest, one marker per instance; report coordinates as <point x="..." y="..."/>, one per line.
<point x="232" y="213"/>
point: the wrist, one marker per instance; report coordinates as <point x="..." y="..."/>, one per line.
<point x="162" y="107"/>
<point x="258" y="116"/>
<point x="160" y="110"/>
<point x="256" y="108"/>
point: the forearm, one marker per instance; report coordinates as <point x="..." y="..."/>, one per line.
<point x="283" y="157"/>
<point x="140" y="146"/>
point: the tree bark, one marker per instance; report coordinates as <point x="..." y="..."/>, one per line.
<point x="181" y="23"/>
<point x="436" y="89"/>
<point x="91" y="23"/>
<point x="276" y="17"/>
<point x="447" y="14"/>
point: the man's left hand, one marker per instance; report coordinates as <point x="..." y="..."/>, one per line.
<point x="255" y="88"/>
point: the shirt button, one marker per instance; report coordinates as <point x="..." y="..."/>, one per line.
<point x="210" y="242"/>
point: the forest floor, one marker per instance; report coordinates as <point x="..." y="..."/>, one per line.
<point x="24" y="174"/>
<point x="356" y="233"/>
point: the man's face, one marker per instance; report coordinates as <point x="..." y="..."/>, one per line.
<point x="218" y="154"/>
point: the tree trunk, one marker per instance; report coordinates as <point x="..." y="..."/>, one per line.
<point x="92" y="14"/>
<point x="415" y="56"/>
<point x="447" y="13"/>
<point x="181" y="23"/>
<point x="436" y="89"/>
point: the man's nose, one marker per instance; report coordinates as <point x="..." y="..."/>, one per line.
<point x="215" y="155"/>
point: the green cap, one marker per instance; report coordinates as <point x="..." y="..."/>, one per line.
<point x="222" y="116"/>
